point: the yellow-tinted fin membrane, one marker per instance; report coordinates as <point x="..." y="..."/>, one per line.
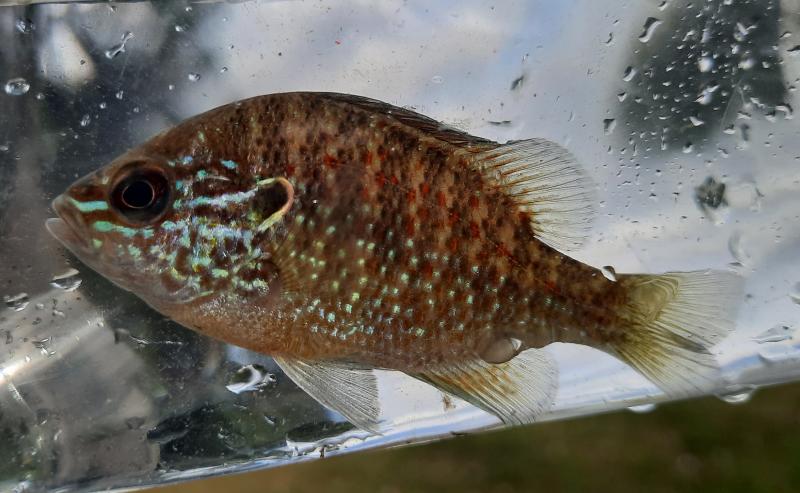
<point x="517" y="392"/>
<point x="351" y="392"/>
<point x="545" y="181"/>
<point x="674" y="320"/>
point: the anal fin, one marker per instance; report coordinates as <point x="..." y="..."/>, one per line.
<point x="352" y="392"/>
<point x="517" y="391"/>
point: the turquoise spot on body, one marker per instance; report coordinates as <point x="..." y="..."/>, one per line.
<point x="229" y="164"/>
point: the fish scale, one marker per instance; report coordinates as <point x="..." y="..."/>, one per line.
<point x="340" y="234"/>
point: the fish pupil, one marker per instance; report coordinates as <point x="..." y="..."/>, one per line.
<point x="138" y="194"/>
<point x="141" y="196"/>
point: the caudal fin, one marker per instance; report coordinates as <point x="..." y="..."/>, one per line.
<point x="673" y="321"/>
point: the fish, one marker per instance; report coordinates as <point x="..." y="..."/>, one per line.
<point x="342" y="236"/>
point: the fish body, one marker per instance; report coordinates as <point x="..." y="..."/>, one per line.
<point x="341" y="234"/>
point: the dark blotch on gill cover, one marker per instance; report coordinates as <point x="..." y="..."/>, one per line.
<point x="270" y="199"/>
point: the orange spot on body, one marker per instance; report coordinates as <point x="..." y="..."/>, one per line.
<point x="368" y="159"/>
<point x="425" y="189"/>
<point x="411" y="196"/>
<point x="394" y="180"/>
<point x="441" y="199"/>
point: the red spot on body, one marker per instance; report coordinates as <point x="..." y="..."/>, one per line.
<point x="474" y="230"/>
<point x="423" y="215"/>
<point x="410" y="226"/>
<point x="453" y="244"/>
<point x="368" y="159"/>
<point x="330" y="161"/>
<point x="473" y="202"/>
<point x="502" y="250"/>
<point x="394" y="180"/>
<point x="427" y="270"/>
<point x="380" y="179"/>
<point x="453" y="218"/>
<point x="411" y="196"/>
<point x="552" y="287"/>
<point x="425" y="189"/>
<point x="441" y="199"/>
<point x="290" y="170"/>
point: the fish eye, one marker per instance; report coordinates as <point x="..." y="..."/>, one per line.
<point x="141" y="195"/>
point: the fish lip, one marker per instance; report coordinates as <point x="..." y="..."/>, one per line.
<point x="65" y="228"/>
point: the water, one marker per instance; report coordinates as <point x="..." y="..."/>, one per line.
<point x="686" y="126"/>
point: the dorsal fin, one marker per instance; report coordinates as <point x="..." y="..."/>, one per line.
<point x="546" y="182"/>
<point x="429" y="126"/>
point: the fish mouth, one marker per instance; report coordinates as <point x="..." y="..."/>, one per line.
<point x="65" y="228"/>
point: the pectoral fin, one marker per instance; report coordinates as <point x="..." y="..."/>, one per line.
<point x="517" y="391"/>
<point x="351" y="392"/>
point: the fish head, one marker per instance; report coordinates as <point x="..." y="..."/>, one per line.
<point x="174" y="227"/>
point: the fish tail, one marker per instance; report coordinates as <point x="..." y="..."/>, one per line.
<point x="670" y="323"/>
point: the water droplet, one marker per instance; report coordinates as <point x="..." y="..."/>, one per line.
<point x="17" y="86"/>
<point x="250" y="378"/>
<point x="44" y="345"/>
<point x="776" y="333"/>
<point x="119" y="94"/>
<point x="663" y="5"/>
<point x="621" y="96"/>
<point x="40" y="96"/>
<point x="17" y="302"/>
<point x="193" y="76"/>
<point x="517" y="83"/>
<point x="794" y="50"/>
<point x="86" y="120"/>
<point x="642" y="408"/>
<point x="710" y="194"/>
<point x="786" y="109"/>
<point x="629" y="74"/>
<point x="736" y="250"/>
<point x="687" y="148"/>
<point x="608" y="125"/>
<point x="705" y="63"/>
<point x="437" y="79"/>
<point x="747" y="63"/>
<point x="180" y="28"/>
<point x="738" y="396"/>
<point x="25" y="26"/>
<point x="794" y="294"/>
<point x="120" y="47"/>
<point x="609" y="273"/>
<point x="223" y="70"/>
<point x="610" y="39"/>
<point x="744" y="195"/>
<point x="696" y="122"/>
<point x="171" y="87"/>
<point x="4" y="147"/>
<point x="68" y="281"/>
<point x="649" y="28"/>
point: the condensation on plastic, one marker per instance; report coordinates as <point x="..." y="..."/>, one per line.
<point x="682" y="116"/>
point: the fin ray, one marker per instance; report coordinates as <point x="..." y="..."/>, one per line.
<point x="546" y="181"/>
<point x="517" y="391"/>
<point x="675" y="319"/>
<point x="352" y="392"/>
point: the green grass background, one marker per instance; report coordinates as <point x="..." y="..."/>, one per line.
<point x="702" y="445"/>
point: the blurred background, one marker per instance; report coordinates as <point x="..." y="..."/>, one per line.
<point x="705" y="445"/>
<point x="681" y="111"/>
